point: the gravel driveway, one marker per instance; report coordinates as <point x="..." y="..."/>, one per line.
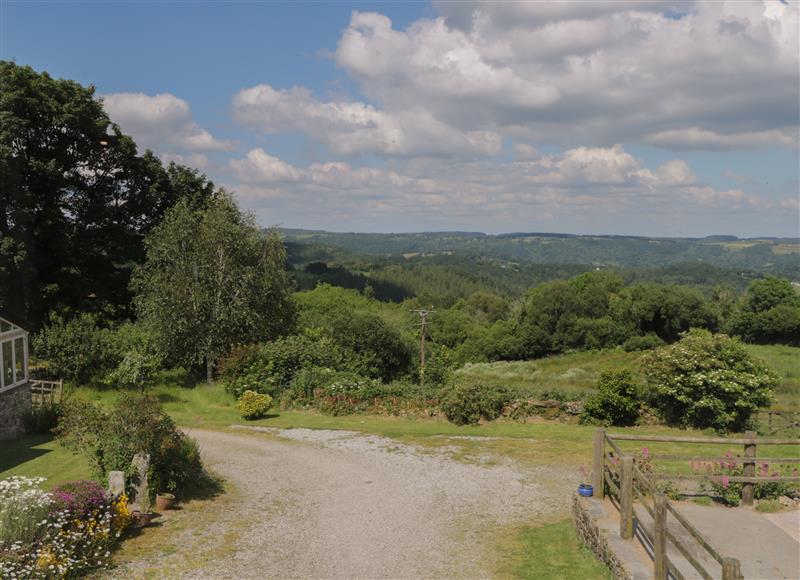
<point x="338" y="504"/>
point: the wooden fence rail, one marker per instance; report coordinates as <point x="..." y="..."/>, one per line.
<point x="618" y="472"/>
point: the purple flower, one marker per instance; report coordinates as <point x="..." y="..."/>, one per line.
<point x="725" y="481"/>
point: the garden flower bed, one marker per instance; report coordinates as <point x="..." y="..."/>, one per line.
<point x="63" y="533"/>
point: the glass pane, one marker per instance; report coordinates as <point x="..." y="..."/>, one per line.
<point x="8" y="362"/>
<point x="19" y="353"/>
<point x="4" y="325"/>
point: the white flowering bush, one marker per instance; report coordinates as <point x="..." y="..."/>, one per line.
<point x="55" y="535"/>
<point x="707" y="380"/>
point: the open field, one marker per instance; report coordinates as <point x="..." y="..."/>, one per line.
<point x="578" y="372"/>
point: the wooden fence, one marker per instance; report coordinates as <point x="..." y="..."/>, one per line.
<point x="617" y="471"/>
<point x="772" y="422"/>
<point x="46" y="392"/>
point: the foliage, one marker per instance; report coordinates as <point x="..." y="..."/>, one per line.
<point x="707" y="380"/>
<point x="65" y="534"/>
<point x="77" y="349"/>
<point x="718" y="473"/>
<point x="468" y="404"/>
<point x="770" y="313"/>
<point x="79" y="498"/>
<point x="42" y="418"/>
<point x="439" y="366"/>
<point x="617" y="401"/>
<point x="109" y="439"/>
<point x="271" y="367"/>
<point x="253" y="405"/>
<point x="76" y="198"/>
<point x="645" y="342"/>
<point x="212" y="280"/>
<point x="23" y="506"/>
<point x="140" y="357"/>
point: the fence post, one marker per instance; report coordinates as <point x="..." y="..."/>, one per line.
<point x="660" y="567"/>
<point x="599" y="466"/>
<point x="626" y="498"/>
<point x="748" y="489"/>
<point x="730" y="569"/>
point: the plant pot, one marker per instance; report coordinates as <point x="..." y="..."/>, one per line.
<point x="141" y="520"/>
<point x="586" y="490"/>
<point x="164" y="501"/>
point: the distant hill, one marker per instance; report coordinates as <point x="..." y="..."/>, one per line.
<point x="766" y="256"/>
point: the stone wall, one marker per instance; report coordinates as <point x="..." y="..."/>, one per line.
<point x="14" y="403"/>
<point x="594" y="538"/>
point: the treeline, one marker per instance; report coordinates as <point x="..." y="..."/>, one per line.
<point x="772" y="256"/>
<point x="76" y="199"/>
<point x="597" y="310"/>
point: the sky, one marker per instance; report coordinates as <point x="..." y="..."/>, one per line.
<point x="655" y="117"/>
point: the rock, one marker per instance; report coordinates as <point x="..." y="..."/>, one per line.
<point x="116" y="483"/>
<point x="141" y="494"/>
<point x="787" y="501"/>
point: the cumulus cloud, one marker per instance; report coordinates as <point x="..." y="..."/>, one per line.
<point x="160" y="122"/>
<point x="705" y="75"/>
<point x="351" y="128"/>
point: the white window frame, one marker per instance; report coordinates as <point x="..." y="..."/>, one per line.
<point x="11" y="336"/>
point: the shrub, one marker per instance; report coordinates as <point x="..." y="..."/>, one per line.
<point x="23" y="506"/>
<point x="645" y="342"/>
<point x="77" y="349"/>
<point x="617" y="401"/>
<point x="468" y="404"/>
<point x="135" y="424"/>
<point x="253" y="405"/>
<point x="80" y="498"/>
<point x="707" y="380"/>
<point x="41" y="419"/>
<point x="270" y="368"/>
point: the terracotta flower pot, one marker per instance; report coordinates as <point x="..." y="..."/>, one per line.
<point x="140" y="519"/>
<point x="164" y="501"/>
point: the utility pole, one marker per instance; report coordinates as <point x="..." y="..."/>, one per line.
<point x="423" y="315"/>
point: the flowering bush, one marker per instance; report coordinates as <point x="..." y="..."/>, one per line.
<point x="707" y="380"/>
<point x="719" y="474"/>
<point x="74" y="529"/>
<point x="253" y="405"/>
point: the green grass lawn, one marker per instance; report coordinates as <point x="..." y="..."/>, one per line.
<point x="40" y="456"/>
<point x="548" y="551"/>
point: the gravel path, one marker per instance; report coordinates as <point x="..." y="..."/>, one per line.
<point x="337" y="504"/>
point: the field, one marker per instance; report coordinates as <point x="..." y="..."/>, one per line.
<point x="577" y="373"/>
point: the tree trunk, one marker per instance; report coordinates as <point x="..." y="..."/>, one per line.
<point x="209" y="370"/>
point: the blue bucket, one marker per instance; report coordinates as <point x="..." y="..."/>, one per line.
<point x="585" y="490"/>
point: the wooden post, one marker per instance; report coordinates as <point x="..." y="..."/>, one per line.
<point x="730" y="569"/>
<point x="748" y="489"/>
<point x="599" y="466"/>
<point x="660" y="567"/>
<point x="626" y="499"/>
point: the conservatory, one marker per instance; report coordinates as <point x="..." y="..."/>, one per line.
<point x="15" y="390"/>
<point x="13" y="355"/>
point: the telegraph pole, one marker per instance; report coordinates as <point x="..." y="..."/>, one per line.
<point x="423" y="315"/>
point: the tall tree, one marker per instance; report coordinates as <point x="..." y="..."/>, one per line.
<point x="75" y="198"/>
<point x="212" y="280"/>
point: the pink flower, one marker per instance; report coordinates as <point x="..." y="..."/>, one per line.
<point x="725" y="481"/>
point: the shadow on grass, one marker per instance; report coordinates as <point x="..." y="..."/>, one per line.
<point x="22" y="450"/>
<point x="207" y="486"/>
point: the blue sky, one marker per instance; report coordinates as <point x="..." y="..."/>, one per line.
<point x="612" y="117"/>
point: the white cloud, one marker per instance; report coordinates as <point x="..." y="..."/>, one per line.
<point x="194" y="160"/>
<point x="259" y="166"/>
<point x="159" y="122"/>
<point x="718" y="75"/>
<point x="351" y="128"/>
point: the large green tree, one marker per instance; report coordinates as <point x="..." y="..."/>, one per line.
<point x="75" y="198"/>
<point x="212" y="279"/>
